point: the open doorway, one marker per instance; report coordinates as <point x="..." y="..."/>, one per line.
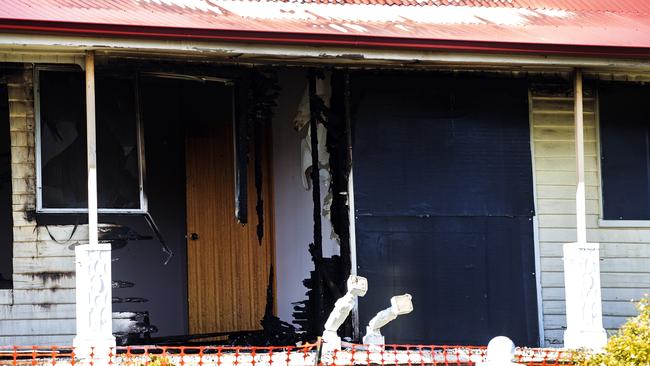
<point x="227" y="266"/>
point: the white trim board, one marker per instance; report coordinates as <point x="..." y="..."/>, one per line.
<point x="21" y="48"/>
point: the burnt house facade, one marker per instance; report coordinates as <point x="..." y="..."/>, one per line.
<point x="240" y="181"/>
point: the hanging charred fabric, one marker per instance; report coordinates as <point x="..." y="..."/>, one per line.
<point x="317" y="112"/>
<point x="242" y="141"/>
<point x="309" y="314"/>
<point x="339" y="150"/>
<point x="327" y="281"/>
<point x="263" y="93"/>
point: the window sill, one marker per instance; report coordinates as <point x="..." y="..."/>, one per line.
<point x="630" y="224"/>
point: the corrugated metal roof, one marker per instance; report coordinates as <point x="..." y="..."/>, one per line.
<point x="575" y="26"/>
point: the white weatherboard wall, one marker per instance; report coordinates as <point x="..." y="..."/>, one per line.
<point x="40" y="308"/>
<point x="625" y="253"/>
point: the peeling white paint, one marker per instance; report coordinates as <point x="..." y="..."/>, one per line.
<point x="37" y="47"/>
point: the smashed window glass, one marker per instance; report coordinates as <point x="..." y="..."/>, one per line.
<point x="63" y="142"/>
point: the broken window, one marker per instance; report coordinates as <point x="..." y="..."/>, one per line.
<point x="624" y="117"/>
<point x="62" y="165"/>
<point x="6" y="221"/>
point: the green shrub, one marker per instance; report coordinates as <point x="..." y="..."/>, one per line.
<point x="630" y="346"/>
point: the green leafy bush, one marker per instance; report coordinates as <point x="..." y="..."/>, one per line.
<point x="630" y="346"/>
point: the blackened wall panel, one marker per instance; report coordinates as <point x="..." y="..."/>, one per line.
<point x="443" y="188"/>
<point x="625" y="150"/>
<point x="443" y="146"/>
<point x="465" y="276"/>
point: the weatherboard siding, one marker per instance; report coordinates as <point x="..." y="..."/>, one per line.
<point x="624" y="252"/>
<point x="39" y="310"/>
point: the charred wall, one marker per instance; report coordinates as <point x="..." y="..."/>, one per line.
<point x="6" y="221"/>
<point x="164" y="286"/>
<point x="145" y="283"/>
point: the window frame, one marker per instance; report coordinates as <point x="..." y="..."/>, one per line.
<point x="37" y="146"/>
<point x="602" y="222"/>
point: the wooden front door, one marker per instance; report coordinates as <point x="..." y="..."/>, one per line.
<point x="228" y="269"/>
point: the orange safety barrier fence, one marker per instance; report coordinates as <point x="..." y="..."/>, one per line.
<point x="306" y="355"/>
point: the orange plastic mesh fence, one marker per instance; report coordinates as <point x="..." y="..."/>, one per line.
<point x="306" y="355"/>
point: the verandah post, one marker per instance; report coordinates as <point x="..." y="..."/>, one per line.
<point x="581" y="259"/>
<point x="94" y="340"/>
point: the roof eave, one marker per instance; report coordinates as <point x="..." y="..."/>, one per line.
<point x="320" y="39"/>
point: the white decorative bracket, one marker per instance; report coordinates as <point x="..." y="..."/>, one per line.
<point x="94" y="340"/>
<point x="357" y="286"/>
<point x="399" y="305"/>
<point x="583" y="298"/>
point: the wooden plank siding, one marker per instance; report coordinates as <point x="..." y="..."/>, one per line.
<point x="625" y="252"/>
<point x="39" y="310"/>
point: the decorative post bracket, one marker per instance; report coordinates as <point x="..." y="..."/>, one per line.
<point x="399" y="305"/>
<point x="94" y="338"/>
<point x="357" y="286"/>
<point x="583" y="299"/>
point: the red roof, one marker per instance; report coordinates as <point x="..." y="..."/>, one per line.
<point x="578" y="27"/>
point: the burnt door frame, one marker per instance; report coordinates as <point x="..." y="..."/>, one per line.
<point x="243" y="264"/>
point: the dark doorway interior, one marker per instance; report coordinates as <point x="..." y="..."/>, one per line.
<point x="164" y="287"/>
<point x="444" y="206"/>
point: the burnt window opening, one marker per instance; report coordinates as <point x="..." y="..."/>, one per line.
<point x="624" y="118"/>
<point x="6" y="219"/>
<point x="61" y="143"/>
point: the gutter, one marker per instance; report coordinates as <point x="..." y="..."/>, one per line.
<point x="319" y="39"/>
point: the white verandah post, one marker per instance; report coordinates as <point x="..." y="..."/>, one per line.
<point x="581" y="259"/>
<point x="93" y="261"/>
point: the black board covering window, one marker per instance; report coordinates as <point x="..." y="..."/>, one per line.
<point x="624" y="117"/>
<point x="6" y="218"/>
<point x="444" y="206"/>
<point x="62" y="131"/>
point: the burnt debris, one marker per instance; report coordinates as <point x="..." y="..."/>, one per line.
<point x="132" y="328"/>
<point x="275" y="332"/>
